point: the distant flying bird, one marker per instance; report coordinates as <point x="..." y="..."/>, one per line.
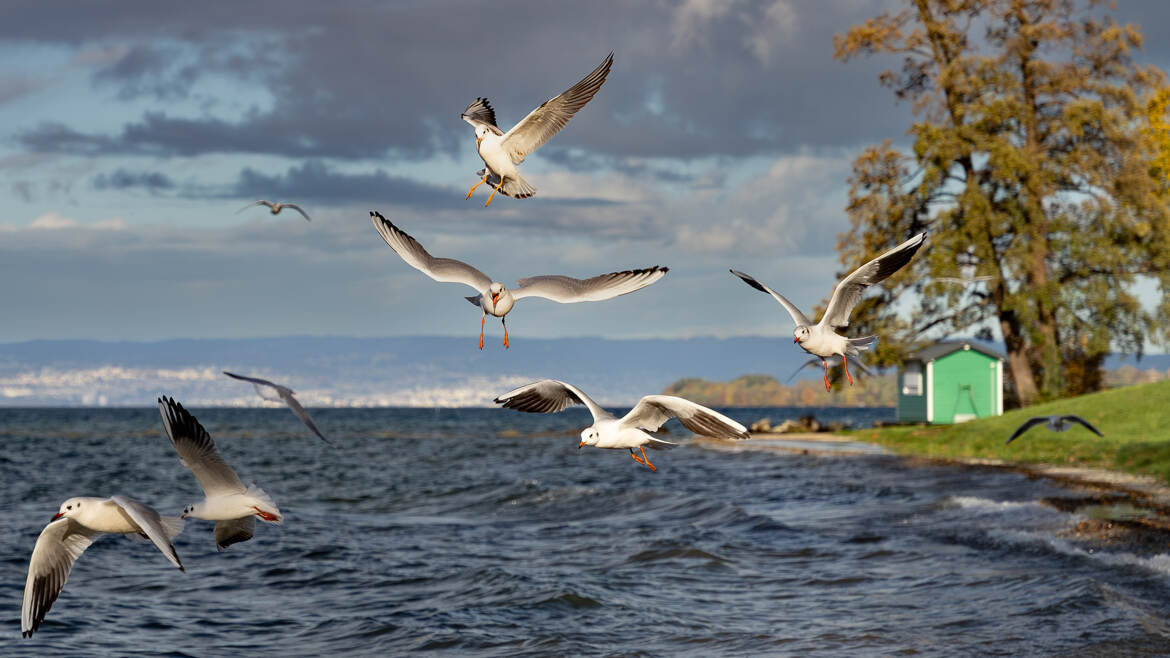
<point x="1055" y="423"/>
<point x="630" y="431"/>
<point x="493" y="297"/>
<point x="277" y="393"/>
<point x="275" y="208"/>
<point x="964" y="281"/>
<point x="227" y="501"/>
<point x="820" y="339"/>
<point x="72" y="529"/>
<point x="833" y="361"/>
<point x="501" y="151"/>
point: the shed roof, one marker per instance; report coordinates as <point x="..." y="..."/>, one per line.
<point x="941" y="349"/>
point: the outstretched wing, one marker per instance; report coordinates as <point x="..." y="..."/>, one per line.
<point x="1027" y="425"/>
<point x="549" y="396"/>
<point x="152" y="525"/>
<point x="480" y="113"/>
<point x="298" y="209"/>
<point x="302" y="414"/>
<point x="197" y="451"/>
<point x="447" y="270"/>
<point x="552" y="115"/>
<point x="1082" y="421"/>
<point x="567" y="290"/>
<point x="234" y="531"/>
<point x="653" y="410"/>
<point x="58" y="547"/>
<point x="848" y="291"/>
<point x="261" y="202"/>
<point x="797" y="316"/>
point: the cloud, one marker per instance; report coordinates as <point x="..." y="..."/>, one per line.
<point x="121" y="179"/>
<point x="315" y="181"/>
<point x="52" y="221"/>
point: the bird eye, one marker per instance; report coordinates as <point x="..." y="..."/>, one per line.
<point x="68" y="507"/>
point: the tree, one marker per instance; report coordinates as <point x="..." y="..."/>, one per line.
<point x="1035" y="164"/>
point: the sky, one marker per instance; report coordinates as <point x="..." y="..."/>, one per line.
<point x="132" y="133"/>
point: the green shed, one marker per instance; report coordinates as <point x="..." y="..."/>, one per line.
<point x="950" y="382"/>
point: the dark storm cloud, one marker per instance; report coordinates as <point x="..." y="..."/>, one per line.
<point x="316" y="182"/>
<point x="356" y="81"/>
<point x="121" y="179"/>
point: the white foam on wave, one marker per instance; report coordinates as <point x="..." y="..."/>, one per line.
<point x="987" y="505"/>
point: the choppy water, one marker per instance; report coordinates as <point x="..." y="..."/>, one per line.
<point x="487" y="532"/>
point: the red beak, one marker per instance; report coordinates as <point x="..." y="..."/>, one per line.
<point x="495" y="297"/>
<point x="56" y="516"/>
<point x="796" y="339"/>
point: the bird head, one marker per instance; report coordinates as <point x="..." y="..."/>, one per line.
<point x="494" y="291"/>
<point x="69" y="508"/>
<point x="186" y="510"/>
<point x="800" y="333"/>
<point x="589" y="437"/>
<point x="480" y="133"/>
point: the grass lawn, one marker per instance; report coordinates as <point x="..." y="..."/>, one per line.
<point x="1135" y="421"/>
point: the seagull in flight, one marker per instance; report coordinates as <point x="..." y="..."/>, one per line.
<point x="277" y="393"/>
<point x="1056" y="423"/>
<point x="275" y="208"/>
<point x="233" y="506"/>
<point x="501" y="152"/>
<point x="819" y="339"/>
<point x="496" y="299"/>
<point x="630" y="431"/>
<point x="75" y="526"/>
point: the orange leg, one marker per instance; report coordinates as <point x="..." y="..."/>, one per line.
<point x="264" y="515"/>
<point x="475" y="186"/>
<point x="645" y="460"/>
<point x="636" y="457"/>
<point x="505" y="323"/>
<point x="845" y="360"/>
<point x="826" y="365"/>
<point x="482" y="319"/>
<point x="493" y="194"/>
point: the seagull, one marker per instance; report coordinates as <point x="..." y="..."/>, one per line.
<point x="813" y="361"/>
<point x="630" y="431"/>
<point x="1056" y="423"/>
<point x="501" y="151"/>
<point x="276" y="208"/>
<point x="277" y="393"/>
<point x="819" y="339"/>
<point x="496" y="299"/>
<point x="72" y="529"/>
<point x="227" y="501"/>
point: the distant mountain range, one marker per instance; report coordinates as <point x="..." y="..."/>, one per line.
<point x="423" y="371"/>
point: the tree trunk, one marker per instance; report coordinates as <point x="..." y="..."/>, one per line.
<point x="1019" y="365"/>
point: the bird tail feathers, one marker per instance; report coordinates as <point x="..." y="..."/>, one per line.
<point x="858" y="344"/>
<point x="515" y="187"/>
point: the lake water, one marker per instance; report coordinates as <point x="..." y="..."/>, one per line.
<point x="487" y="532"/>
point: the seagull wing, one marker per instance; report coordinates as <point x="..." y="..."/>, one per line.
<point x="234" y="531"/>
<point x="298" y="209"/>
<point x="1082" y="421"/>
<point x="552" y="115"/>
<point x="848" y="291"/>
<point x="653" y="411"/>
<point x="480" y="113"/>
<point x="797" y="317"/>
<point x="1027" y="425"/>
<point x="58" y="547"/>
<point x="302" y="414"/>
<point x="197" y="451"/>
<point x="447" y="270"/>
<point x="814" y="361"/>
<point x="567" y="290"/>
<point x="549" y="396"/>
<point x="261" y="202"/>
<point x="153" y="526"/>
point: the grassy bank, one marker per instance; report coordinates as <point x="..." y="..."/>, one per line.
<point x="1134" y="419"/>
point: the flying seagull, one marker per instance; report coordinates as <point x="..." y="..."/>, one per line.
<point x="277" y="393"/>
<point x="497" y="300"/>
<point x="630" y="431"/>
<point x="233" y="506"/>
<point x="819" y="339"/>
<point x="72" y="529"/>
<point x="501" y="151"/>
<point x="833" y="360"/>
<point x="275" y="208"/>
<point x="1056" y="423"/>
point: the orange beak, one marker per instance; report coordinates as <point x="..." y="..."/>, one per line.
<point x="580" y="445"/>
<point x="796" y="339"/>
<point x="495" y="298"/>
<point x="478" y="140"/>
